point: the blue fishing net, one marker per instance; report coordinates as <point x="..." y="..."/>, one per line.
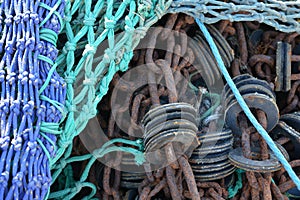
<point x="32" y="96"/>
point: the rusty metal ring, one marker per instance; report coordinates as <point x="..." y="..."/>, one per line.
<point x="209" y="158"/>
<point x="237" y="158"/>
<point x="166" y="108"/>
<point x="283" y="129"/>
<point x="251" y="90"/>
<point x="262" y="86"/>
<point x="224" y="44"/>
<point x="215" y="135"/>
<point x="184" y="137"/>
<point x="217" y="166"/>
<point x="169" y="117"/>
<point x="292" y="119"/>
<point x="258" y="101"/>
<point x="175" y="125"/>
<point x="209" y="55"/>
<point x="218" y="147"/>
<point x="203" y="61"/>
<point x="214" y="176"/>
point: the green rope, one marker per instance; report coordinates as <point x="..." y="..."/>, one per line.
<point x="216" y="99"/>
<point x="69" y="192"/>
<point x="233" y="190"/>
<point x="87" y="25"/>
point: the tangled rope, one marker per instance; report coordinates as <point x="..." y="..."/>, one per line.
<point x="32" y="96"/>
<point x="41" y="112"/>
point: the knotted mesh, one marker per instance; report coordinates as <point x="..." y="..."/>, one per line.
<point x="47" y="100"/>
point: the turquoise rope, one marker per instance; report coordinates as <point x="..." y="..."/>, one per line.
<point x="232" y="191"/>
<point x="245" y="108"/>
<point x="106" y="148"/>
<point x="216" y="101"/>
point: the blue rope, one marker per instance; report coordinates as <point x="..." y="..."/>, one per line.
<point x="32" y="96"/>
<point x="245" y="108"/>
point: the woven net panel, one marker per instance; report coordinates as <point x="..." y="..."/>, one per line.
<point x="90" y="55"/>
<point x="282" y="15"/>
<point x="32" y="96"/>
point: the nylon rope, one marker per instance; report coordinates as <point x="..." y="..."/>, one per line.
<point x="245" y="108"/>
<point x="42" y="108"/>
<point x="30" y="109"/>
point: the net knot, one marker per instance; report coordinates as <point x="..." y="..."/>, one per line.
<point x="46" y="182"/>
<point x="144" y="6"/>
<point x="233" y="7"/>
<point x="159" y="12"/>
<point x="69" y="46"/>
<point x="15" y="107"/>
<point x="64" y="143"/>
<point x="55" y="83"/>
<point x="261" y="18"/>
<point x="89" y="49"/>
<point x="18" y="18"/>
<point x="35" y="18"/>
<point x="17" y="180"/>
<point x="4" y="142"/>
<point x="283" y="17"/>
<point x="129" y="27"/>
<point x="21" y="44"/>
<point x="62" y="163"/>
<point x="8" y="20"/>
<point x="260" y="6"/>
<point x="34" y="79"/>
<point x="89" y="20"/>
<point x="26" y="15"/>
<point x="32" y="147"/>
<point x="283" y="6"/>
<point x="34" y="183"/>
<point x="141" y="31"/>
<point x="70" y="78"/>
<point x="30" y="43"/>
<point x="17" y="143"/>
<point x="77" y="188"/>
<point x="11" y="77"/>
<point x="23" y="77"/>
<point x="109" y="23"/>
<point x="68" y="18"/>
<point x="4" y="178"/>
<point x="202" y="8"/>
<point x="229" y="16"/>
<point x="70" y="107"/>
<point x="9" y="47"/>
<point x="89" y="81"/>
<point x="28" y="108"/>
<point x="41" y="111"/>
<point x="109" y="55"/>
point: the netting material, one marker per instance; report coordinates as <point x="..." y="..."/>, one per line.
<point x="32" y="96"/>
<point x="93" y="25"/>
<point x="282" y="15"/>
<point x="95" y="78"/>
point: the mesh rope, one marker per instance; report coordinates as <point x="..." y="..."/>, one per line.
<point x="32" y="96"/>
<point x="90" y="23"/>
<point x="41" y="113"/>
<point x="282" y="15"/>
